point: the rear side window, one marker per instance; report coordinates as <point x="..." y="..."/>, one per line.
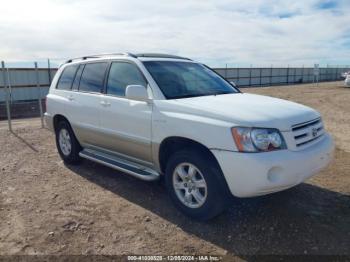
<point x="92" y="77"/>
<point x="76" y="81"/>
<point x="121" y="75"/>
<point x="66" y="79"/>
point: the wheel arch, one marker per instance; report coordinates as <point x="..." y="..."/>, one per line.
<point x="57" y="119"/>
<point x="73" y="156"/>
<point x="170" y="145"/>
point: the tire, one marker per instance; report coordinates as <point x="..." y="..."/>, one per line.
<point x="67" y="145"/>
<point x="211" y="203"/>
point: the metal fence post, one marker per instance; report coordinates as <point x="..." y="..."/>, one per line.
<point x="337" y="73"/>
<point x="302" y="75"/>
<point x="39" y="92"/>
<point x="260" y="76"/>
<point x="288" y="75"/>
<point x="8" y="112"/>
<point x="250" y="75"/>
<point x="295" y="75"/>
<point x="271" y="75"/>
<point x="9" y="88"/>
<point x="334" y="73"/>
<point x="49" y="70"/>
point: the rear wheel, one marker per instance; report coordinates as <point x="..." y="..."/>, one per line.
<point x="67" y="145"/>
<point x="193" y="183"/>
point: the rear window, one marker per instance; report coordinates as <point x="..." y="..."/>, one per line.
<point x="66" y="79"/>
<point x="93" y="77"/>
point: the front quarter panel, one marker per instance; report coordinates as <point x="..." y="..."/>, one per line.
<point x="169" y="121"/>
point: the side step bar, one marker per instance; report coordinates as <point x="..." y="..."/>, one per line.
<point x="136" y="170"/>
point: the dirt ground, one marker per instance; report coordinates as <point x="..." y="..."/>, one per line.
<point x="49" y="208"/>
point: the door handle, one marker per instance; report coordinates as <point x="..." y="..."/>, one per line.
<point x="70" y="98"/>
<point x="105" y="103"/>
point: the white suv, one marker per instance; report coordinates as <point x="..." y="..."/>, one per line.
<point x="155" y="115"/>
<point x="347" y="79"/>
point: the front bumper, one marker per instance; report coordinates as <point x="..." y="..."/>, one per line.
<point x="254" y="174"/>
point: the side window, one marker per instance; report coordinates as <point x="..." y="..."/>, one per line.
<point x="92" y="77"/>
<point x="121" y="75"/>
<point x="76" y="81"/>
<point x="66" y="79"/>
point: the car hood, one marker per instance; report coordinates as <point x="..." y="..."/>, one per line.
<point x="249" y="110"/>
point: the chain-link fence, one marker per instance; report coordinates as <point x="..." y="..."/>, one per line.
<point x="264" y="76"/>
<point x="23" y="91"/>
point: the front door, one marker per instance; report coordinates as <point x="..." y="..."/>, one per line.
<point x="126" y="124"/>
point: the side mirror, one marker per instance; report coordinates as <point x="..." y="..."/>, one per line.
<point x="136" y="92"/>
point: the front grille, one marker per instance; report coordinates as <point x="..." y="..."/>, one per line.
<point x="307" y="132"/>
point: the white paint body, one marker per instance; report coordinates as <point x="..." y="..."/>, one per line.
<point x="347" y="80"/>
<point x="137" y="129"/>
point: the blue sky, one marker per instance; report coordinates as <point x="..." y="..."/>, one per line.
<point x="216" y="32"/>
<point x="327" y="4"/>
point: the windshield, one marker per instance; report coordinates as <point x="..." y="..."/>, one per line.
<point x="185" y="79"/>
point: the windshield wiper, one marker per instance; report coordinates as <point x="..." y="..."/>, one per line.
<point x="223" y="93"/>
<point x="187" y="96"/>
<point x="204" y="94"/>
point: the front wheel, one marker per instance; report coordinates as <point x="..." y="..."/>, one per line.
<point x="192" y="181"/>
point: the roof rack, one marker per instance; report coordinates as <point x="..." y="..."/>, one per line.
<point x="161" y="56"/>
<point x="125" y="54"/>
<point x="98" y="56"/>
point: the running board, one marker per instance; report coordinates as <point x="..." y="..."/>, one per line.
<point x="133" y="169"/>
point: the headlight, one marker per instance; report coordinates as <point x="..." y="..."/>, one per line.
<point x="257" y="139"/>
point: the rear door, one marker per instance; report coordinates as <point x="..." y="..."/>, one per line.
<point x="126" y="124"/>
<point x="85" y="102"/>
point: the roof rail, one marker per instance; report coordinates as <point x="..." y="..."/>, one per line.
<point x="161" y="56"/>
<point x="157" y="55"/>
<point x="98" y="56"/>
